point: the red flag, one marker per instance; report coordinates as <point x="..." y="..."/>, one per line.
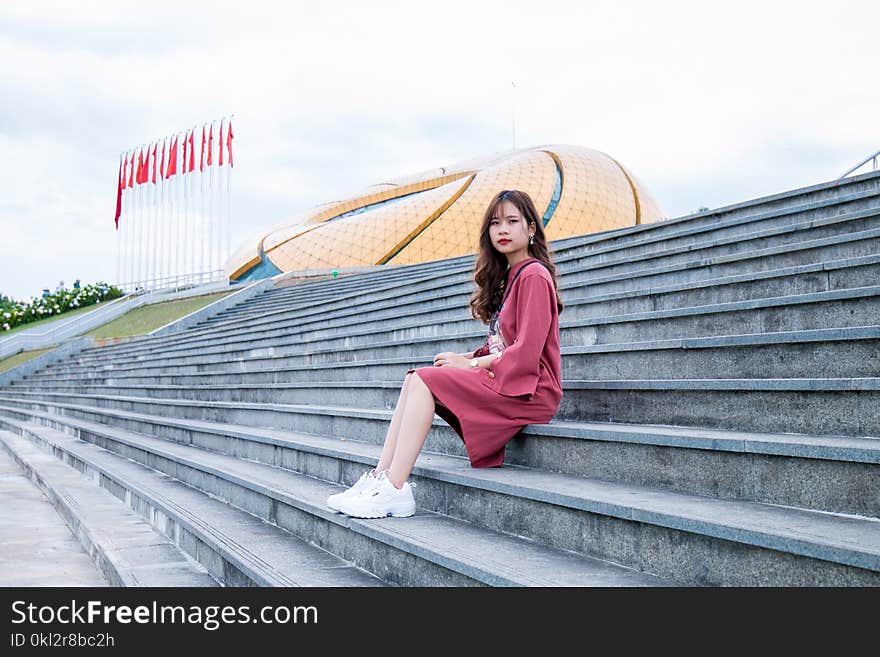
<point x="155" y="146"/>
<point x="220" y="145"/>
<point x="192" y="152"/>
<point x="119" y="183"/>
<point x="162" y="162"/>
<point x="131" y="171"/>
<point x="210" y="144"/>
<point x="229" y="137"/>
<point x="183" y="164"/>
<point x="202" y="153"/>
<point x="147" y="165"/>
<point x="139" y="176"/>
<point x="124" y="171"/>
<point x="172" y="159"/>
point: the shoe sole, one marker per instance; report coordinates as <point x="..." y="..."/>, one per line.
<point x="367" y="515"/>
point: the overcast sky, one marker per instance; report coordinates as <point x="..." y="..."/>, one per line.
<point x="707" y="103"/>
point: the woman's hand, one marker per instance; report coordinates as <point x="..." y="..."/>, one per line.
<point x="449" y="359"/>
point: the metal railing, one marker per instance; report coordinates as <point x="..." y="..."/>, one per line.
<point x="171" y="282"/>
<point x="873" y="157"/>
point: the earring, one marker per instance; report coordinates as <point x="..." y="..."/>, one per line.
<point x="531" y="239"/>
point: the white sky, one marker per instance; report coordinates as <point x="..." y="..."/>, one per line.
<point x="708" y="103"/>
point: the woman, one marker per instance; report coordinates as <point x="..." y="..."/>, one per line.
<point x="489" y="395"/>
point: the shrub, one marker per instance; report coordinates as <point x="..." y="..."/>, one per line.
<point x="16" y="313"/>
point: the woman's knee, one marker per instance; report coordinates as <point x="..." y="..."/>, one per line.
<point x="418" y="383"/>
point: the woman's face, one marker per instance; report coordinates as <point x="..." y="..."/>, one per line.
<point x="509" y="233"/>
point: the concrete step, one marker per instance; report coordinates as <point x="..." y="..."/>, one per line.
<point x="124" y="547"/>
<point x="354" y="286"/>
<point x="702" y="228"/>
<point x="697" y="271"/>
<point x="823" y="197"/>
<point x="844" y="230"/>
<point x="826" y="353"/>
<point x="789" y="282"/>
<point x="835" y="229"/>
<point x="435" y="296"/>
<point x="822" y="472"/>
<point x="818" y="199"/>
<point x="817" y="406"/>
<point x="846" y="406"/>
<point x="718" y="542"/>
<point x="771" y="230"/>
<point x="429" y="549"/>
<point x="236" y="547"/>
<point x="31" y="529"/>
<point x="851" y="246"/>
<point x="858" y="307"/>
<point x="763" y="236"/>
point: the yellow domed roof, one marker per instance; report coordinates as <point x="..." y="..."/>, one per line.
<point x="436" y="214"/>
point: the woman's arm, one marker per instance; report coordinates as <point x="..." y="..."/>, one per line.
<point x="518" y="369"/>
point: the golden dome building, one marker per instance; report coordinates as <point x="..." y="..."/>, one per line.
<point x="436" y="214"/>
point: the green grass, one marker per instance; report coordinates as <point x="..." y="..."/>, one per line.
<point x="21" y="357"/>
<point x="148" y="318"/>
<point x="53" y="318"/>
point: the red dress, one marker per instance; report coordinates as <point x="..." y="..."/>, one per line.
<point x="488" y="407"/>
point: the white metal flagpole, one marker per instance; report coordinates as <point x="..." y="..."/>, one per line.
<point x="155" y="214"/>
<point x="140" y="191"/>
<point x="193" y="248"/>
<point x="185" y="223"/>
<point x="148" y="223"/>
<point x="126" y="234"/>
<point x="169" y="221"/>
<point x="160" y="220"/>
<point x="211" y="194"/>
<point x="203" y="223"/>
<point x="179" y="221"/>
<point x="163" y="248"/>
<point x="228" y="193"/>
<point x="145" y="225"/>
<point x="118" y="218"/>
<point x="220" y="204"/>
<point x="136" y="226"/>
<point x="130" y="233"/>
<point x="146" y="191"/>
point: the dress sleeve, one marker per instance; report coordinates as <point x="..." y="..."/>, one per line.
<point x="518" y="369"/>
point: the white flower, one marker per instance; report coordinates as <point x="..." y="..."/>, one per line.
<point x="5" y="327"/>
<point x="7" y="315"/>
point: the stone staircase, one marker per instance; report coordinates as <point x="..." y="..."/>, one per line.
<point x="720" y="423"/>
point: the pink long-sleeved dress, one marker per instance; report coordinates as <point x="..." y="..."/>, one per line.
<point x="488" y="407"/>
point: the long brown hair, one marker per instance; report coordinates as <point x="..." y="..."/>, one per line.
<point x="490" y="268"/>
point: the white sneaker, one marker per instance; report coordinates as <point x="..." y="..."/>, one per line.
<point x="382" y="499"/>
<point x="367" y="480"/>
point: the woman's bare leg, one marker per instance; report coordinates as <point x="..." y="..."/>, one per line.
<point x="415" y="421"/>
<point x="394" y="429"/>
